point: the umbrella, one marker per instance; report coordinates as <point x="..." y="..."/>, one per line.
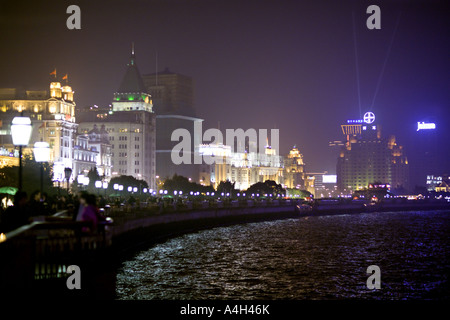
<point x="8" y="190"/>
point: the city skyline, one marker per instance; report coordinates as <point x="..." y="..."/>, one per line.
<point x="221" y="157"/>
<point x="275" y="66"/>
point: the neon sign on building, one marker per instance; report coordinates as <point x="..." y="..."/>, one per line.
<point x="425" y="126"/>
<point x="369" y="117"/>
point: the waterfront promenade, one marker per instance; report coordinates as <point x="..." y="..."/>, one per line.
<point x="35" y="257"/>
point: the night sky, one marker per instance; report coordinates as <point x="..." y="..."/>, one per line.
<point x="280" y="64"/>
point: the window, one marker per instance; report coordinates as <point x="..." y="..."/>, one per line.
<point x="136" y="138"/>
<point x="136" y="146"/>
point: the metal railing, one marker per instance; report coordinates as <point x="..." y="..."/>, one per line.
<point x="44" y="250"/>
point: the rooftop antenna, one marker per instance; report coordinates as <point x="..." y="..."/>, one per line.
<point x="156" y="67"/>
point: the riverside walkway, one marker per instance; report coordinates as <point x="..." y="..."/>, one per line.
<point x="35" y="257"/>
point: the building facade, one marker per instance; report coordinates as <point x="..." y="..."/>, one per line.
<point x="52" y="115"/>
<point x="367" y="158"/>
<point x="295" y="175"/>
<point x="173" y="101"/>
<point x="241" y="168"/>
<point x="129" y="125"/>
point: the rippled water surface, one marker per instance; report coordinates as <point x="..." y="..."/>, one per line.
<point x="308" y="258"/>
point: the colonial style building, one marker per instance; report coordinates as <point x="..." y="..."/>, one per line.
<point x="294" y="176"/>
<point x="241" y="168"/>
<point x="52" y="116"/>
<point x="131" y="128"/>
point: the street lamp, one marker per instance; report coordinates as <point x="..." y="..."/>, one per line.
<point x="98" y="185"/>
<point x="85" y="181"/>
<point x="21" y="133"/>
<point x="41" y="154"/>
<point x="67" y="173"/>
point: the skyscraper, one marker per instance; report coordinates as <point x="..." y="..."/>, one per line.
<point x="173" y="100"/>
<point x="131" y="126"/>
<point x="368" y="158"/>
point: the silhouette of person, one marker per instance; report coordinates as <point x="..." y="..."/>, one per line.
<point x="89" y="213"/>
<point x="16" y="215"/>
<point x="35" y="204"/>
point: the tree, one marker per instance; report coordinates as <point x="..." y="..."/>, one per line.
<point x="93" y="177"/>
<point x="297" y="193"/>
<point x="226" y="187"/>
<point x="127" y="181"/>
<point x="31" y="175"/>
<point x="266" y="187"/>
<point x="181" y="183"/>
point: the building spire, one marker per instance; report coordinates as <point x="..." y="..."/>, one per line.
<point x="132" y="58"/>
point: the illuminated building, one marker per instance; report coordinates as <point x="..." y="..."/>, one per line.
<point x="93" y="150"/>
<point x="241" y="168"/>
<point x="433" y="182"/>
<point x="52" y="114"/>
<point x="173" y="101"/>
<point x="130" y="127"/>
<point x="367" y="158"/>
<point x="442" y="187"/>
<point x="8" y="158"/>
<point x="84" y="158"/>
<point x="294" y="176"/>
<point x="324" y="185"/>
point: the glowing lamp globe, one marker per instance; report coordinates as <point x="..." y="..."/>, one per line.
<point x="21" y="131"/>
<point x="41" y="151"/>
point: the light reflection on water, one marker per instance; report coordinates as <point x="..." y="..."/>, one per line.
<point x="308" y="258"/>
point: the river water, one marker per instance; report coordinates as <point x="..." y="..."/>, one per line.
<point x="310" y="258"/>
